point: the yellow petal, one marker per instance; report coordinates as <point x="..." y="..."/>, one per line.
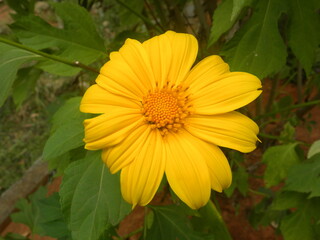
<point x="184" y="52"/>
<point x="122" y="154"/>
<point x="160" y="52"/>
<point x="232" y="130"/>
<point x="111" y="128"/>
<point x="206" y="72"/>
<point x="129" y="70"/>
<point x="231" y="91"/>
<point x="186" y="169"/>
<point x="141" y="179"/>
<point x="98" y="100"/>
<point x="218" y="165"/>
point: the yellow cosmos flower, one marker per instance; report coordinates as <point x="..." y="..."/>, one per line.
<point x="159" y="116"/>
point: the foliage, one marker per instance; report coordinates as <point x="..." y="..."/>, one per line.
<point x="276" y="40"/>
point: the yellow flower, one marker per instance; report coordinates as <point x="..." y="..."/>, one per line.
<point x="160" y="116"/>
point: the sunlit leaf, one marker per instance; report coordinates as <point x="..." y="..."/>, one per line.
<point x="314" y="149"/>
<point x="258" y="47"/>
<point x="91" y="198"/>
<point x="67" y="130"/>
<point x="238" y="5"/>
<point x="67" y="137"/>
<point x="279" y="159"/>
<point x="304" y="34"/>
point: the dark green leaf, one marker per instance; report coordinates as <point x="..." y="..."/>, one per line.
<point x="169" y="222"/>
<point x="258" y="47"/>
<point x="286" y="200"/>
<point x="29" y="211"/>
<point x="11" y="59"/>
<point x="239" y="181"/>
<point x="238" y="5"/>
<point x="91" y="198"/>
<point x="304" y="35"/>
<point x="279" y="159"/>
<point x="223" y="19"/>
<point x="51" y="220"/>
<point x="78" y="41"/>
<point x="305" y="177"/>
<point x="25" y="84"/>
<point x="301" y="223"/>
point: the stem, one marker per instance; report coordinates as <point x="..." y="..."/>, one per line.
<point x="46" y="55"/>
<point x="202" y="18"/>
<point x="146" y="21"/>
<point x="131" y="234"/>
<point x="306" y="104"/>
<point x="299" y="83"/>
<point x="153" y="16"/>
<point x="273" y="94"/>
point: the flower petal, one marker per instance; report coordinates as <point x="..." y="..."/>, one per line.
<point x="128" y="70"/>
<point x="111" y="128"/>
<point x="206" y="72"/>
<point x="160" y="52"/>
<point x="231" y="91"/>
<point x="141" y="179"/>
<point x="120" y="155"/>
<point x="98" y="100"/>
<point x="178" y="61"/>
<point x="218" y="165"/>
<point x="186" y="169"/>
<point x="232" y="130"/>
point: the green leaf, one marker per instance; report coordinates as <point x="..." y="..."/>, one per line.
<point x="11" y="59"/>
<point x="25" y="84"/>
<point x="50" y="219"/>
<point x="78" y="41"/>
<point x="68" y="130"/>
<point x="314" y="149"/>
<point x="279" y="159"/>
<point x="67" y="137"/>
<point x="68" y="112"/>
<point x="286" y="200"/>
<point x="29" y="211"/>
<point x="258" y="47"/>
<point x="301" y="223"/>
<point x="91" y="198"/>
<point x="238" y="5"/>
<point x="223" y="19"/>
<point x="169" y="222"/>
<point x="239" y="181"/>
<point x="305" y="177"/>
<point x="304" y="35"/>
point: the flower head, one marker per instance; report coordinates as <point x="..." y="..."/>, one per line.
<point x="159" y="116"/>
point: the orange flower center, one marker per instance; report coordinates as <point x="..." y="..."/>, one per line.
<point x="166" y="108"/>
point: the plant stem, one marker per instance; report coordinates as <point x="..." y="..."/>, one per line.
<point x="306" y="104"/>
<point x="146" y="21"/>
<point x="131" y="234"/>
<point x="273" y="93"/>
<point x="49" y="56"/>
<point x="299" y="83"/>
